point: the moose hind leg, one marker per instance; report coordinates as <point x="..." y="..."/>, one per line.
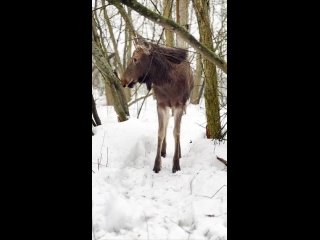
<point x="176" y="133"/>
<point x="163" y="116"/>
<point x="164" y="143"/>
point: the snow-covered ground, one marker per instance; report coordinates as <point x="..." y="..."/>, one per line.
<point x="130" y="201"/>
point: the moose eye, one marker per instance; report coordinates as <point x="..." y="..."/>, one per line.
<point x="135" y="60"/>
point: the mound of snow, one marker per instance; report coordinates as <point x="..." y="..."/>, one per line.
<point x="130" y="201"/>
<point x="113" y="211"/>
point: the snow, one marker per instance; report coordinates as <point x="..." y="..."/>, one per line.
<point x="130" y="201"/>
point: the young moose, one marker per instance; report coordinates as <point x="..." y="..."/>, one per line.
<point x="169" y="74"/>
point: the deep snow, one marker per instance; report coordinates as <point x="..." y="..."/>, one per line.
<point x="130" y="201"/>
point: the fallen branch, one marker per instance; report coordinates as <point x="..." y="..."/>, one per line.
<point x="186" y="231"/>
<point x="100" y="158"/>
<point x="213" y="194"/>
<point x="191" y="182"/>
<point x="222" y="160"/>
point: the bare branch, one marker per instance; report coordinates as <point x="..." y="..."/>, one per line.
<point x="173" y="26"/>
<point x="144" y="99"/>
<point x="93" y="10"/>
<point x="138" y="99"/>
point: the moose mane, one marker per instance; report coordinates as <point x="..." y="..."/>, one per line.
<point x="163" y="59"/>
<point x="174" y="55"/>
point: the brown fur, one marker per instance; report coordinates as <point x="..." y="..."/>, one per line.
<point x="169" y="74"/>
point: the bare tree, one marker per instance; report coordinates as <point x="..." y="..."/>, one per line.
<point x="173" y="26"/>
<point x="211" y="79"/>
<point x="167" y="12"/>
<point x="196" y="92"/>
<point x="110" y="78"/>
<point x="114" y="43"/>
<point x="96" y="120"/>
<point x="209" y="59"/>
<point x="182" y="18"/>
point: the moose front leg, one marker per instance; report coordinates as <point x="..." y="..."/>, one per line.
<point x="163" y="117"/>
<point x="176" y="133"/>
<point x="164" y="147"/>
<point x="164" y="143"/>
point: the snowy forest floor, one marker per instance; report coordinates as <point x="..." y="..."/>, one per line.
<point x="130" y="201"/>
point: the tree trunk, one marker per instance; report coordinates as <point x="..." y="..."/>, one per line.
<point x="96" y="25"/>
<point x="127" y="91"/>
<point x="167" y="12"/>
<point x="129" y="48"/>
<point x="210" y="72"/>
<point x="127" y="53"/>
<point x="120" y="103"/>
<point x="95" y="113"/>
<point x="126" y="48"/>
<point x="182" y="16"/>
<point x="195" y="94"/>
<point x="109" y="96"/>
<point x="114" y="43"/>
<point x="125" y="16"/>
<point x="122" y="93"/>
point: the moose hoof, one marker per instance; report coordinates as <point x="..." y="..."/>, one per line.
<point x="175" y="168"/>
<point x="163" y="154"/>
<point x="156" y="169"/>
<point x="157" y="166"/>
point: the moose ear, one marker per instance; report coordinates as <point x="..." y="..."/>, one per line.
<point x="145" y="48"/>
<point x="139" y="40"/>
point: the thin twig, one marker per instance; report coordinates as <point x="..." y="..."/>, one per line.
<point x="223" y="135"/>
<point x="137" y="88"/>
<point x="144" y="99"/>
<point x="213" y="194"/>
<point x="97" y="164"/>
<point x="94" y="236"/>
<point x="200" y="125"/>
<point x="138" y="99"/>
<point x="145" y="218"/>
<point x="210" y="215"/>
<point x="107" y="157"/>
<point x="100" y="158"/>
<point x="100" y="7"/>
<point x="192" y="181"/>
<point x="155" y="6"/>
<point x="187" y="231"/>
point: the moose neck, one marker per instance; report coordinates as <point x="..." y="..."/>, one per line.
<point x="159" y="70"/>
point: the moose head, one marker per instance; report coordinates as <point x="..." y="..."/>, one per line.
<point x="137" y="68"/>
